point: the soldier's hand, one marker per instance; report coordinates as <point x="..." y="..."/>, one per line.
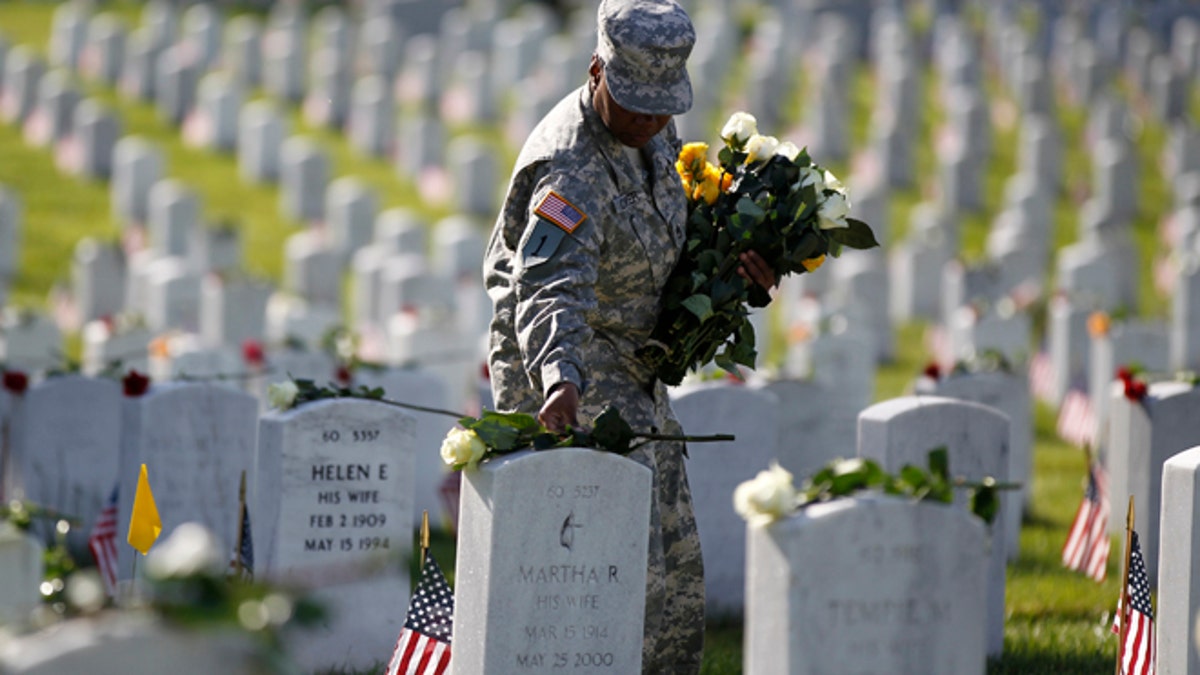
<point x="755" y="269"/>
<point x="561" y="408"/>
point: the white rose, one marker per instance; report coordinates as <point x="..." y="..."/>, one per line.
<point x="832" y="182"/>
<point x="345" y="346"/>
<point x="190" y="549"/>
<point x="766" y="497"/>
<point x="760" y="148"/>
<point x="810" y="176"/>
<point x="833" y="211"/>
<point x="740" y="127"/>
<point x="787" y="149"/>
<point x="282" y="395"/>
<point x="462" y="446"/>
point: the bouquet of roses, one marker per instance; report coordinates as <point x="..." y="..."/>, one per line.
<point x="762" y="195"/>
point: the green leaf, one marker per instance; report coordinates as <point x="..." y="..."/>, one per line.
<point x="985" y="503"/>
<point x="724" y="362"/>
<point x="747" y="207"/>
<point x="913" y="476"/>
<point x="496" y="435"/>
<point x="745" y="354"/>
<point x="544" y="441"/>
<point x="939" y="463"/>
<point x="709" y="261"/>
<point x="502" y="431"/>
<point x="857" y="235"/>
<point x="611" y="432"/>
<point x="757" y="296"/>
<point x="700" y="305"/>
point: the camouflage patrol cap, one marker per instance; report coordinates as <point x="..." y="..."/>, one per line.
<point x="645" y="45"/>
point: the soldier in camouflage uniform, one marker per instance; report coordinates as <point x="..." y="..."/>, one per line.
<point x="592" y="226"/>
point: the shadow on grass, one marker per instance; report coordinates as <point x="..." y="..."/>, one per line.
<point x="1041" y="663"/>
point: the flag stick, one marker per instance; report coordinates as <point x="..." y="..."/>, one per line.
<point x="1124" y="605"/>
<point x="4" y="438"/>
<point x="424" y="536"/>
<point x="237" y="547"/>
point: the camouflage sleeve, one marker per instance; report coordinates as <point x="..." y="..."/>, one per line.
<point x="555" y="275"/>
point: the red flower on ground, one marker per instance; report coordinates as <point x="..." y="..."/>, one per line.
<point x="1135" y="390"/>
<point x="342" y="375"/>
<point x="16" y="382"/>
<point x="1124" y="374"/>
<point x="252" y="353"/>
<point x="933" y="371"/>
<point x="135" y="384"/>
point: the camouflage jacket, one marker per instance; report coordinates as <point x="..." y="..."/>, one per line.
<point x="577" y="263"/>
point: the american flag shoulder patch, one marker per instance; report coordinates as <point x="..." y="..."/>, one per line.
<point x="561" y="212"/>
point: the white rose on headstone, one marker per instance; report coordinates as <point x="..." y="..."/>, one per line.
<point x="282" y="395"/>
<point x="191" y="549"/>
<point x="462" y="447"/>
<point x="766" y="497"/>
<point x="760" y="148"/>
<point x="833" y="211"/>
<point x="740" y="127"/>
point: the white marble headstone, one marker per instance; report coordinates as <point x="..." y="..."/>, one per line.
<point x="66" y="446"/>
<point x="420" y="387"/>
<point x="1142" y="436"/>
<point x="809" y="435"/>
<point x="903" y="430"/>
<point x="551" y="564"/>
<point x="116" y="643"/>
<point x="1178" y="611"/>
<point x="20" y="574"/>
<point x="715" y="469"/>
<point x="333" y="497"/>
<point x="195" y="440"/>
<point x="871" y="585"/>
<point x="29" y="341"/>
<point x="1008" y="393"/>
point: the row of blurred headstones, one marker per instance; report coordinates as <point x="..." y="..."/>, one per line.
<point x="332" y="481"/>
<point x="1019" y="242"/>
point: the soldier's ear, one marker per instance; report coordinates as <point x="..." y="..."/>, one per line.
<point x="595" y="70"/>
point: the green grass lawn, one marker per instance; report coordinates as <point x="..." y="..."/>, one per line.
<point x="1057" y="620"/>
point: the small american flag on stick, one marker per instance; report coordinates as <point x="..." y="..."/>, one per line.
<point x="1076" y="419"/>
<point x="103" y="543"/>
<point x="1137" y="647"/>
<point x="1087" y="545"/>
<point x="424" y="644"/>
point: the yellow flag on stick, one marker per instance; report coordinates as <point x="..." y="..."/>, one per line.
<point x="144" y="524"/>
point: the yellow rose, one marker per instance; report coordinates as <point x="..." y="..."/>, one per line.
<point x="693" y="159"/>
<point x="726" y="181"/>
<point x="709" y="188"/>
<point x="811" y="264"/>
<point x="462" y="447"/>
